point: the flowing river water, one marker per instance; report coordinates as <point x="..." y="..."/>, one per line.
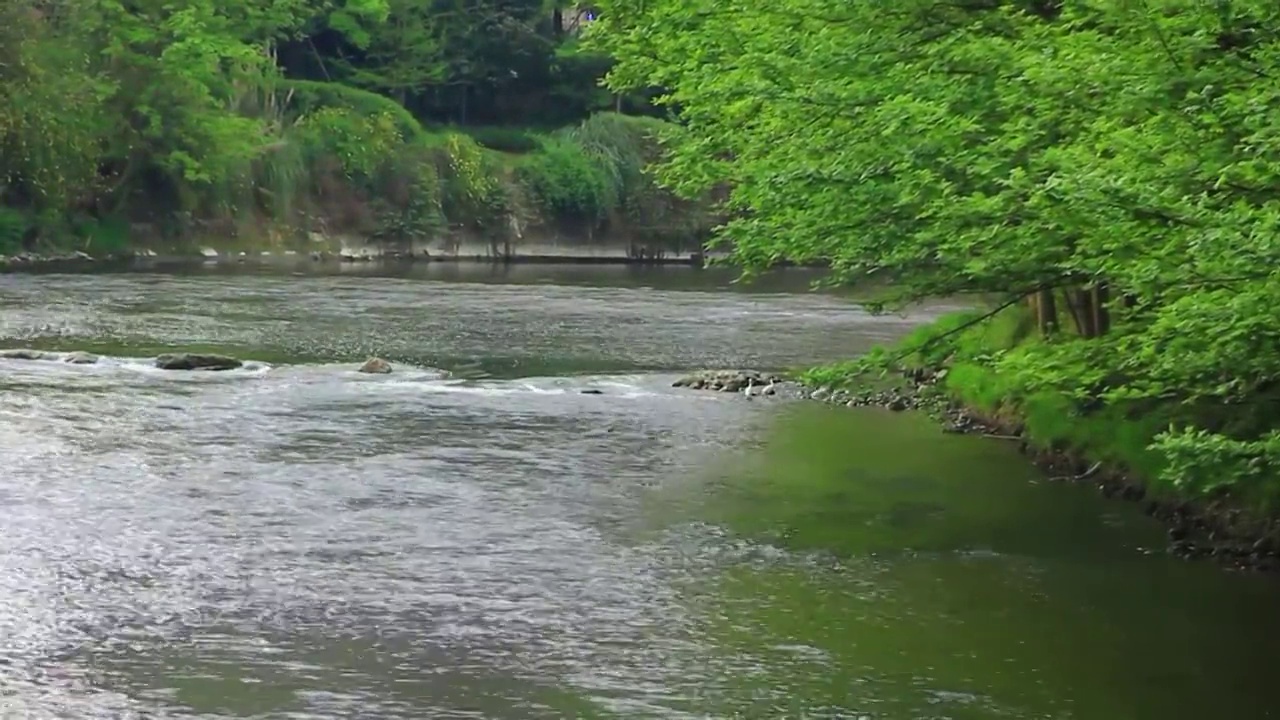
<point x="296" y="540"/>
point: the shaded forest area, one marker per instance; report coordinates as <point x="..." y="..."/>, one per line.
<point x="382" y="119"/>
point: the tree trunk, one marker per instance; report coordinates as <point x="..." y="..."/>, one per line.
<point x="1068" y="297"/>
<point x="1046" y="312"/>
<point x="1102" y="315"/>
<point x="1087" y="320"/>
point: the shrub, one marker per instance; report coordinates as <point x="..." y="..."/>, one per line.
<point x="13" y="225"/>
<point x="407" y="200"/>
<point x="625" y="147"/>
<point x="110" y="235"/>
<point x="505" y="139"/>
<point x="566" y="181"/>
<point x="309" y="96"/>
<point x="472" y="191"/>
<point x="360" y="143"/>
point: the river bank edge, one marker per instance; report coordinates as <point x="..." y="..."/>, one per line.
<point x="1197" y="527"/>
<point x="80" y="259"/>
<point x="565" y="245"/>
<point x="1217" y="528"/>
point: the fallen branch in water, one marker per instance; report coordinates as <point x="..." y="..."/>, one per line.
<point x="1082" y="476"/>
<point x="994" y="436"/>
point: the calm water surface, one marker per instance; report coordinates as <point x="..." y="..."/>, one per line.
<point x="296" y="540"/>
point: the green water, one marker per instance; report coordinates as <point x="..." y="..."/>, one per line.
<point x="295" y="540"/>
<point x="946" y="579"/>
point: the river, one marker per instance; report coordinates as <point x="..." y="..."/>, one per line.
<point x="296" y="540"/>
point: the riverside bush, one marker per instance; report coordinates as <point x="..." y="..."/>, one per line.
<point x="566" y="181"/>
<point x="361" y="144"/>
<point x="13" y="225"/>
<point x="474" y="192"/>
<point x="504" y="139"/>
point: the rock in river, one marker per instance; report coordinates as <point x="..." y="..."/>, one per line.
<point x="80" y="357"/>
<point x="727" y="380"/>
<point x="194" y="361"/>
<point x="376" y="366"/>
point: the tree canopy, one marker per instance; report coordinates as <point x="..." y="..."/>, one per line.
<point x="1113" y="161"/>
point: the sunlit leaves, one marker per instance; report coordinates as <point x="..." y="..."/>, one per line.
<point x="355" y="18"/>
<point x="996" y="147"/>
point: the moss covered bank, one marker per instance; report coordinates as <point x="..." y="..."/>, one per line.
<point x="956" y="369"/>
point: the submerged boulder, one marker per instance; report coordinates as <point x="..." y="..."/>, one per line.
<point x="26" y="354"/>
<point x="79" y="357"/>
<point x="375" y="366"/>
<point x="196" y="361"/>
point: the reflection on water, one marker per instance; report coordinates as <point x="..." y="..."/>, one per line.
<point x="948" y="582"/>
<point x="297" y="540"/>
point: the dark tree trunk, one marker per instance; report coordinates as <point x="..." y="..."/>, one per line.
<point x="1102" y="314"/>
<point x="1046" y="312"/>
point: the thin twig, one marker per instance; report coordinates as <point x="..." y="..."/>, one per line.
<point x="933" y="340"/>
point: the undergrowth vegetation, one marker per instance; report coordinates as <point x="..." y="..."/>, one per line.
<point x="211" y="119"/>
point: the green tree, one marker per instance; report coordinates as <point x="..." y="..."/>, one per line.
<point x="1113" y="161"/>
<point x="54" y="119"/>
<point x="405" y="55"/>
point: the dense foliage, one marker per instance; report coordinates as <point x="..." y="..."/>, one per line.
<point x="376" y="118"/>
<point x="1108" y="165"/>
